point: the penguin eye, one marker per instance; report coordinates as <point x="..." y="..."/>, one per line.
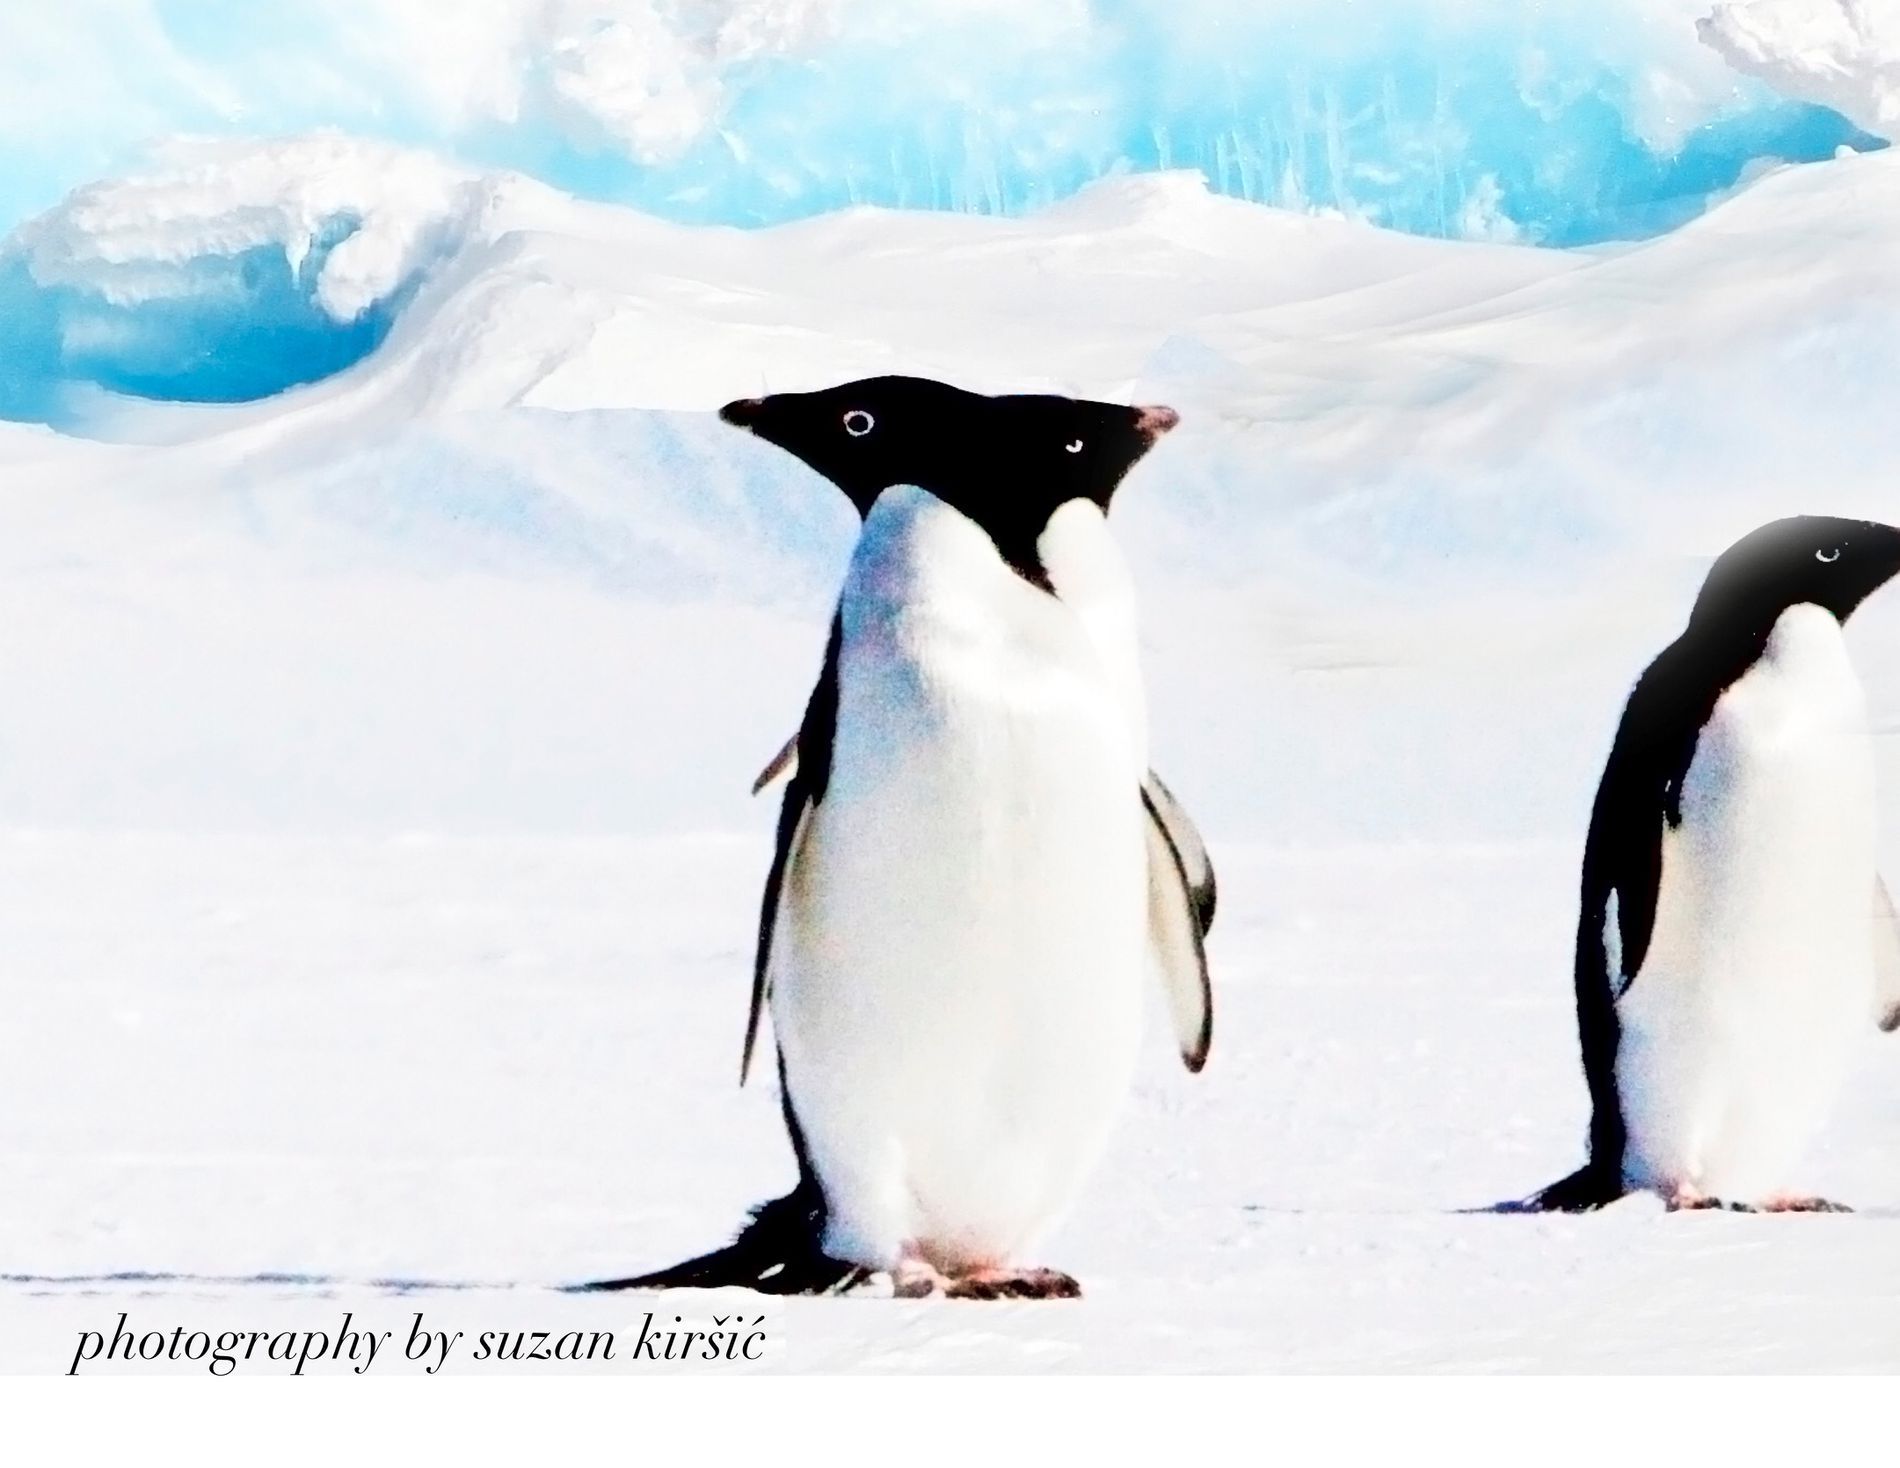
<point x="1829" y="556"/>
<point x="857" y="423"/>
<point x="1074" y="447"/>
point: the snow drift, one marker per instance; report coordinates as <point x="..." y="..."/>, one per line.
<point x="1408" y="468"/>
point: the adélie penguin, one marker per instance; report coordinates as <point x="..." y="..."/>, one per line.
<point x="971" y="885"/>
<point x="1734" y="940"/>
<point x="863" y="462"/>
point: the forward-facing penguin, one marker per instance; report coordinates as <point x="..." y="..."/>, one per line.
<point x="1734" y="939"/>
<point x="1098" y="589"/>
<point x="971" y="884"/>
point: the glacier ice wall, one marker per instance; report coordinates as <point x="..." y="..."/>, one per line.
<point x="224" y="269"/>
<point x="1563" y="122"/>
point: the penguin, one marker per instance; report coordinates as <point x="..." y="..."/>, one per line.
<point x="1733" y="936"/>
<point x="1105" y="601"/>
<point x="973" y="878"/>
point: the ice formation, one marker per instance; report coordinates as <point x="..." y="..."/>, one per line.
<point x="224" y="269"/>
<point x="1844" y="54"/>
<point x="1563" y="122"/>
<point x="226" y="272"/>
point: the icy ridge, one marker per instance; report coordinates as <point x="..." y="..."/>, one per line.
<point x="1844" y="54"/>
<point x="373" y="216"/>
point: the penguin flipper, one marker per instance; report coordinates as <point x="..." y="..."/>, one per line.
<point x="1886" y="959"/>
<point x="784" y="763"/>
<point x="1175" y="928"/>
<point x="792" y="821"/>
<point x="1637" y="801"/>
<point x="1197" y="867"/>
<point x="810" y="777"/>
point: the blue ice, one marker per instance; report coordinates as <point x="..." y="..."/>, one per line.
<point x="1498" y="120"/>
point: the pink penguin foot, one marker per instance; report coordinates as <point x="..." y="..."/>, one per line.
<point x="1684" y="1199"/>
<point x="1797" y="1203"/>
<point x="1014" y="1284"/>
<point x="918" y="1279"/>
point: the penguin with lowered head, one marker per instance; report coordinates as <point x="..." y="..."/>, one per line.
<point x="1735" y="940"/>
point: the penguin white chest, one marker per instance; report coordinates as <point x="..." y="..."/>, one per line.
<point x="1088" y="574"/>
<point x="959" y="998"/>
<point x="1738" y="1031"/>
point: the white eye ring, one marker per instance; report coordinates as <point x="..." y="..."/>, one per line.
<point x="1073" y="448"/>
<point x="857" y="423"/>
<point x="1828" y="556"/>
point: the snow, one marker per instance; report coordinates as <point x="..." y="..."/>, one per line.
<point x="377" y="875"/>
<point x="1844" y="54"/>
<point x="485" y="1066"/>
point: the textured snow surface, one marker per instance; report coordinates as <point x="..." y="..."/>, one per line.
<point x="377" y="876"/>
<point x="474" y="1069"/>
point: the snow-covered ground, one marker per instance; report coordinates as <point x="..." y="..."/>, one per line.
<point x="377" y="876"/>
<point x="482" y="1066"/>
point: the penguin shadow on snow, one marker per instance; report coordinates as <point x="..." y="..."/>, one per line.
<point x="153" y="1281"/>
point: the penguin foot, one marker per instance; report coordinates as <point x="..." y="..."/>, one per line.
<point x="917" y="1279"/>
<point x="1014" y="1284"/>
<point x="1791" y="1203"/>
<point x="1684" y="1201"/>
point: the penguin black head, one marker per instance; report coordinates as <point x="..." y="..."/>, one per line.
<point x="1079" y="449"/>
<point x="1807" y="559"/>
<point x="991" y="457"/>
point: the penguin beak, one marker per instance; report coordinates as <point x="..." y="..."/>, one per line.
<point x="1153" y="421"/>
<point x="742" y="412"/>
<point x="1886" y="552"/>
<point x="1874" y="561"/>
